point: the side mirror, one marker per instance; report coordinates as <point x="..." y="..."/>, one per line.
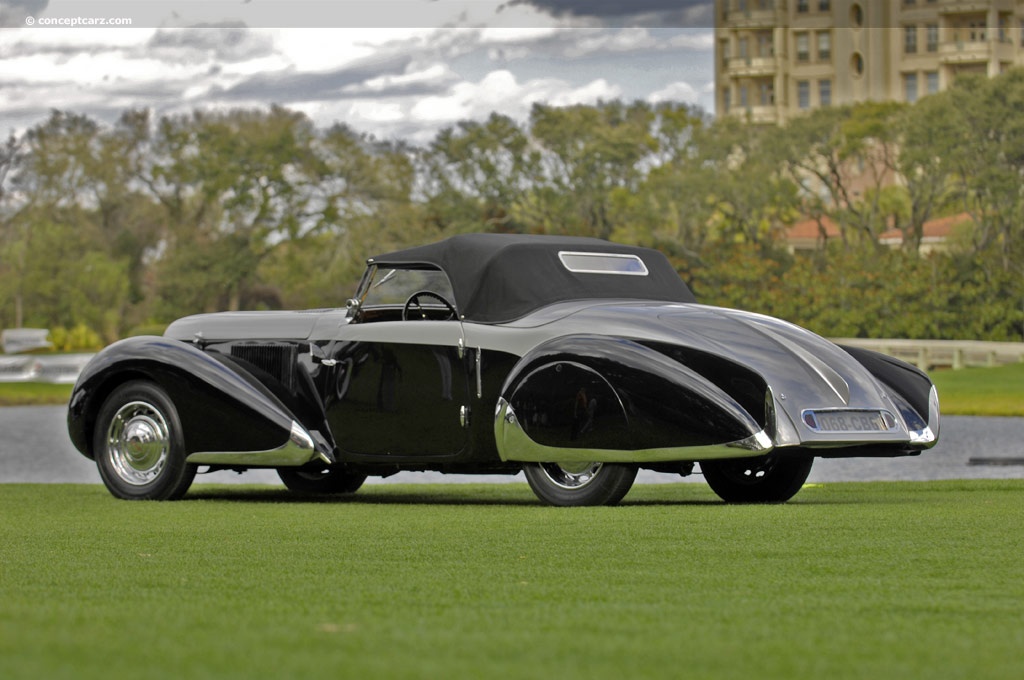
<point x="352" y="305"/>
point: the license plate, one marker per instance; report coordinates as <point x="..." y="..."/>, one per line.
<point x="849" y="421"/>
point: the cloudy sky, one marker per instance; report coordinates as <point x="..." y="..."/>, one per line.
<point x="398" y="69"/>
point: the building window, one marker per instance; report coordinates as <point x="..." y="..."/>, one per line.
<point x="856" y="16"/>
<point x="910" y="39"/>
<point x="857" y="64"/>
<point x="824" y="46"/>
<point x="933" y="37"/>
<point x="765" y="44"/>
<point x="744" y="96"/>
<point x="803" y="6"/>
<point x="824" y="5"/>
<point x="910" y="87"/>
<point x="766" y="93"/>
<point x="825" y="92"/>
<point x="726" y="99"/>
<point x="977" y="31"/>
<point x="744" y="46"/>
<point x="933" y="82"/>
<point x="803" y="94"/>
<point x="803" y="47"/>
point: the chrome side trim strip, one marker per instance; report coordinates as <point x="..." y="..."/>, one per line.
<point x="299" y="449"/>
<point x="515" y="445"/>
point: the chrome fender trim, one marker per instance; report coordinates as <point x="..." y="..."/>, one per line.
<point x="515" y="445"/>
<point x="299" y="449"/>
<point x="930" y="434"/>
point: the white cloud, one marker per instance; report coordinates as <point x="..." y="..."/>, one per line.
<point x="675" y="92"/>
<point x="693" y="40"/>
<point x="588" y="94"/>
<point x="393" y="83"/>
<point x="624" y="40"/>
<point x="376" y="112"/>
<point x="434" y="74"/>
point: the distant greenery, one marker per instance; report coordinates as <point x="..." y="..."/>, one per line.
<point x="909" y="580"/>
<point x="982" y="391"/>
<point x="111" y="227"/>
<point x="33" y="394"/>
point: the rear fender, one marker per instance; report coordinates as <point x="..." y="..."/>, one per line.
<point x="600" y="394"/>
<point x="911" y="390"/>
<point x="228" y="417"/>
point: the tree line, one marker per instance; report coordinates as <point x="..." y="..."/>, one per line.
<point x="107" y="230"/>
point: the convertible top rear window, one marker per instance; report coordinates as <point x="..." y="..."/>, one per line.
<point x="602" y="263"/>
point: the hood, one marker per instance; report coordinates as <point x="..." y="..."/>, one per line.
<point x="246" y="326"/>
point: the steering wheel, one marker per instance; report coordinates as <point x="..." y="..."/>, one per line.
<point x="414" y="301"/>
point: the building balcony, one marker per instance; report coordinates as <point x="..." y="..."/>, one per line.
<point x="754" y="18"/>
<point x="962" y="52"/>
<point x="758" y="115"/>
<point x="751" y="67"/>
<point x="973" y="6"/>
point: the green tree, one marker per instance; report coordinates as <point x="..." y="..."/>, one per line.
<point x="588" y="154"/>
<point x="234" y="186"/>
<point x="673" y="204"/>
<point x="64" y="181"/>
<point x="842" y="158"/>
<point x="477" y="175"/>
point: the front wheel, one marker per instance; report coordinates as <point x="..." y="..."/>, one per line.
<point x="766" y="479"/>
<point x="325" y="481"/>
<point x="575" y="484"/>
<point x="138" y="444"/>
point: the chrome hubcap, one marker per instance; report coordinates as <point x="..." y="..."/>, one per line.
<point x="138" y="443"/>
<point x="571" y="475"/>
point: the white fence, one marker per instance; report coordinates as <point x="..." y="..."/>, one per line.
<point x="929" y="354"/>
<point x="44" y="368"/>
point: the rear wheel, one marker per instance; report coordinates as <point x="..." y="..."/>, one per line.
<point x="326" y="481"/>
<point x="575" y="484"/>
<point x="138" y="444"/>
<point x="766" y="479"/>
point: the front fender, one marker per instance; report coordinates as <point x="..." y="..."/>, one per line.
<point x="615" y="399"/>
<point x="222" y="409"/>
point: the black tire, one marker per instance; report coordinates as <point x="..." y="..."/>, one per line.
<point x="326" y="481"/>
<point x="577" y="484"/>
<point x="139" y="446"/>
<point x="766" y="479"/>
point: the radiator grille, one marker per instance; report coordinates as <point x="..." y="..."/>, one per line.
<point x="277" y="359"/>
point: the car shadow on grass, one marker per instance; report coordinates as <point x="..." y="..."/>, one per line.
<point x="461" y="495"/>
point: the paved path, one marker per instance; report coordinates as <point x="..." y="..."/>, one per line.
<point x="34" y="447"/>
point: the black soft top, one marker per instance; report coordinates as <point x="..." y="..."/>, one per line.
<point x="502" y="277"/>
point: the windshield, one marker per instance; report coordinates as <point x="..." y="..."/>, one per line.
<point x="387" y="286"/>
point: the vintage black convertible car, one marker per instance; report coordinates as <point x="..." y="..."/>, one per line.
<point x="575" y="360"/>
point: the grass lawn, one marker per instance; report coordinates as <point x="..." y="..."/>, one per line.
<point x="881" y="580"/>
<point x="982" y="391"/>
<point x="33" y="394"/>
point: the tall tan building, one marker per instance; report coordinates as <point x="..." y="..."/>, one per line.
<point x="776" y="59"/>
